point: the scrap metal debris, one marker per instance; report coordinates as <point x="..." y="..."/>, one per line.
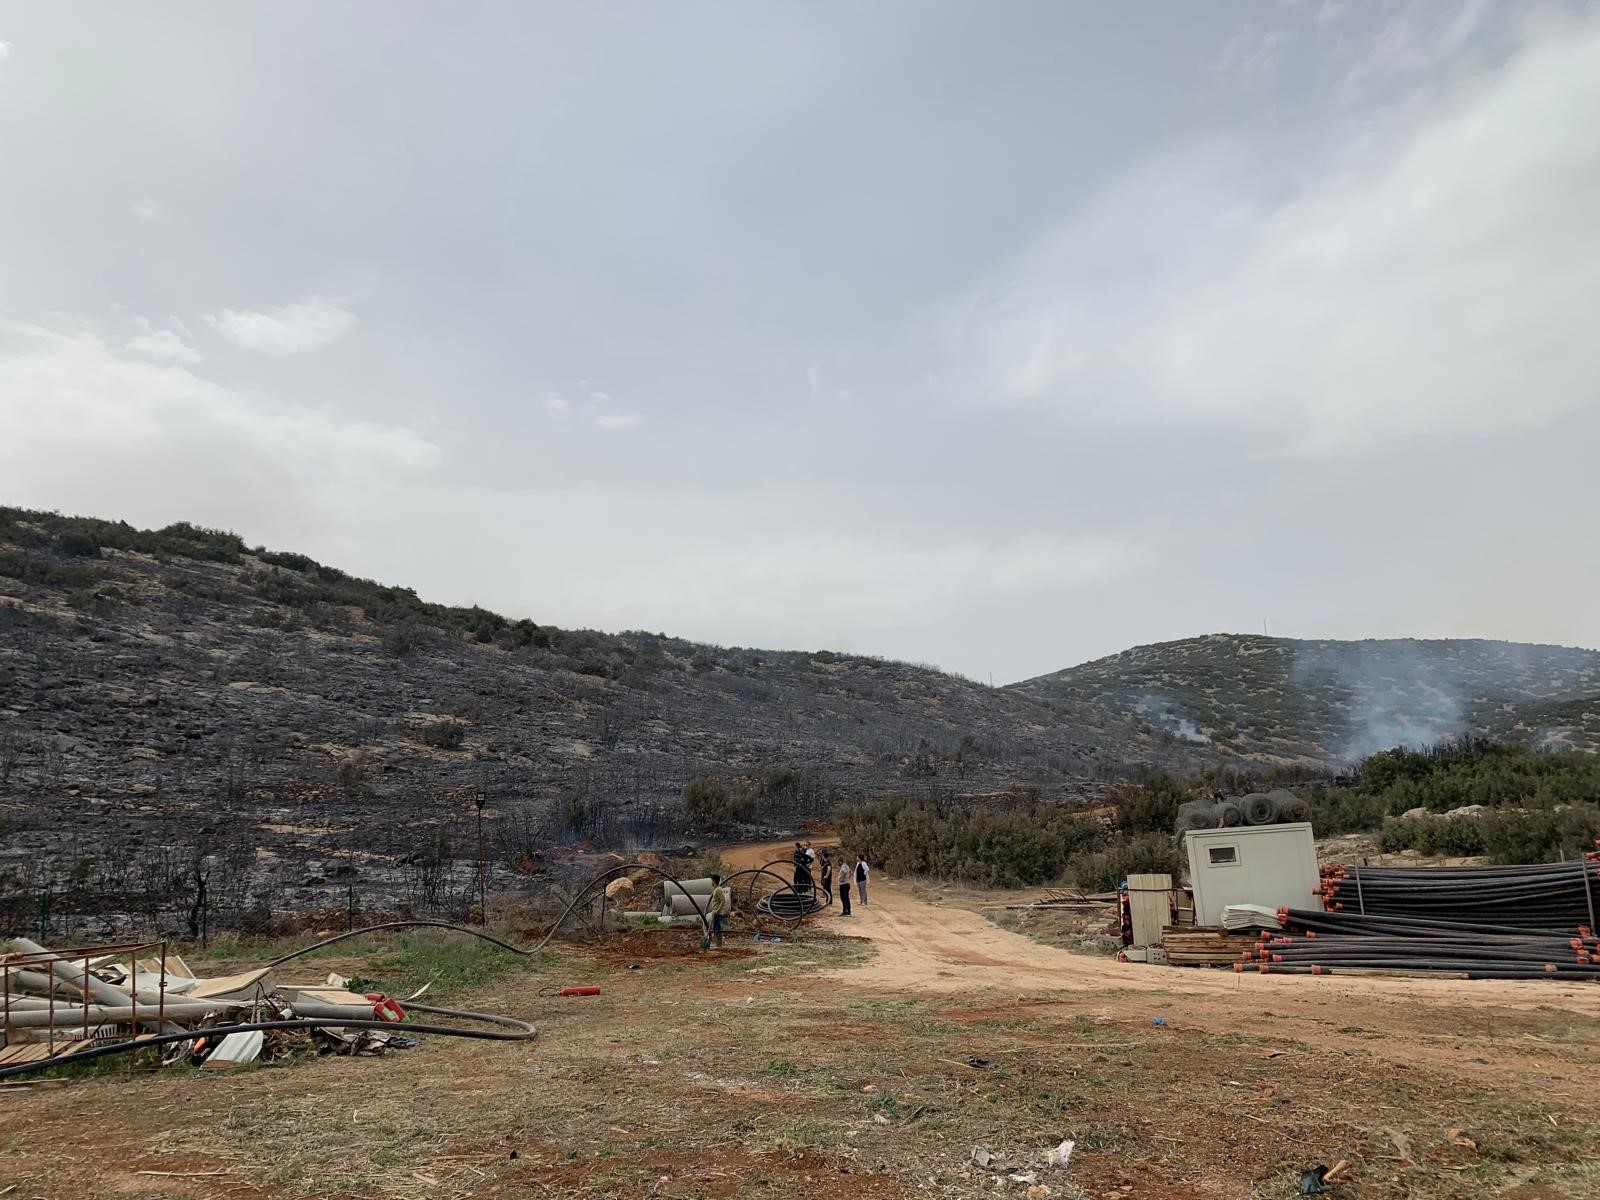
<point x="69" y="1005"/>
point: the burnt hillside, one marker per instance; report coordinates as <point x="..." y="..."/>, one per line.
<point x="1333" y="701"/>
<point x="175" y="697"/>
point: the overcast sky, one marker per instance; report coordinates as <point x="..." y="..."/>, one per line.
<point x="997" y="335"/>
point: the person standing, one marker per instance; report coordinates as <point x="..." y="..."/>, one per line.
<point x="825" y="875"/>
<point x="802" y="869"/>
<point x="846" y="870"/>
<point x="721" y="905"/>
<point x="863" y="873"/>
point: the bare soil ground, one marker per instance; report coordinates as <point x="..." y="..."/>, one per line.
<point x="837" y="1065"/>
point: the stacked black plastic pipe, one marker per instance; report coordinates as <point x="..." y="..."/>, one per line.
<point x="1475" y="922"/>
<point x="1555" y="897"/>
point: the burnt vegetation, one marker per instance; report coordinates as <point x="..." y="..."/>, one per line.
<point x="182" y="714"/>
<point x="178" y="706"/>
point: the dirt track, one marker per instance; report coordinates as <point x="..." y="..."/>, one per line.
<point x="925" y="947"/>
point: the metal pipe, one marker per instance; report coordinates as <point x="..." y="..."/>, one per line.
<point x="521" y="1031"/>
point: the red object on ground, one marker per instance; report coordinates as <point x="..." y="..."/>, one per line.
<point x="579" y="991"/>
<point x="385" y="1008"/>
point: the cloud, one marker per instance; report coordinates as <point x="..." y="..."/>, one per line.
<point x="1418" y="39"/>
<point x="784" y="576"/>
<point x="155" y="440"/>
<point x="556" y="403"/>
<point x="164" y="345"/>
<point x="617" y="422"/>
<point x="151" y="210"/>
<point x="1430" y="279"/>
<point x="309" y="324"/>
<point x="5" y="51"/>
<point x="1252" y="54"/>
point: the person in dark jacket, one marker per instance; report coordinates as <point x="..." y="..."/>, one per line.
<point x="802" y="869"/>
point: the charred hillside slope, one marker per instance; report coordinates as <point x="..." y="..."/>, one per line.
<point x="175" y="697"/>
<point x="1333" y="701"/>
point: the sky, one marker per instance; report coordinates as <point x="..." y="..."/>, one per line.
<point x="999" y="336"/>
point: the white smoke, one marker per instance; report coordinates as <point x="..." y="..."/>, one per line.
<point x="1160" y="712"/>
<point x="1396" y="696"/>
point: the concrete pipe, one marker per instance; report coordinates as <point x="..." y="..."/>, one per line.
<point x="98" y="989"/>
<point x="32" y="983"/>
<point x="689" y="887"/>
<point x="307" y="1006"/>
<point x="73" y="973"/>
<point x="66" y="1017"/>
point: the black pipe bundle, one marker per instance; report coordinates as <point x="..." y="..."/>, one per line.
<point x="1522" y="922"/>
<point x="1470" y="956"/>
<point x="1550" y="897"/>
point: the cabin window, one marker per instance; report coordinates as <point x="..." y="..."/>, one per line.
<point x="1223" y="856"/>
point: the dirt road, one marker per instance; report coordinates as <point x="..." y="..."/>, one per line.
<point x="925" y="947"/>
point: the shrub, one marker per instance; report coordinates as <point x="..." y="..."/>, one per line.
<point x="713" y="807"/>
<point x="444" y="734"/>
<point x="26" y="568"/>
<point x="1147" y="854"/>
<point x="1471" y="773"/>
<point x="1018" y="846"/>
<point x="1434" y="834"/>
<point x="80" y="543"/>
<point x="351" y="774"/>
<point x="403" y="639"/>
<point x="1151" y="807"/>
<point x="1541" y="835"/>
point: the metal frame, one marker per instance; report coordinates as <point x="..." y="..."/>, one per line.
<point x="82" y="956"/>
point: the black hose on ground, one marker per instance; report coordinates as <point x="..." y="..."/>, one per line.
<point x="526" y="952"/>
<point x="786" y="902"/>
<point x="339" y="937"/>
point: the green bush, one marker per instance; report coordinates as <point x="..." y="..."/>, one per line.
<point x="1497" y="776"/>
<point x="713" y="807"/>
<point x="80" y="543"/>
<point x="1022" y="845"/>
<point x="1542" y="835"/>
<point x="1152" y="806"/>
<point x="1345" y="810"/>
<point x="1147" y="854"/>
<point x="285" y="578"/>
<point x="41" y="572"/>
<point x="1434" y="834"/>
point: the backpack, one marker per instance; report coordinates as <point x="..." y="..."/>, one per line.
<point x="861" y="872"/>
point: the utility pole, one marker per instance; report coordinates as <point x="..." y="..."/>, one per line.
<point x="483" y="878"/>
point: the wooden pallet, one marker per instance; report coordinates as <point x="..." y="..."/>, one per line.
<point x="1204" y="946"/>
<point x="14" y="1054"/>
